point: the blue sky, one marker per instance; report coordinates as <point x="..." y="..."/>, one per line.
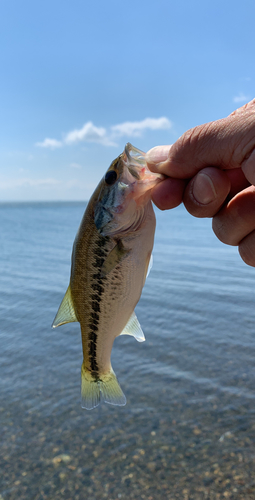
<point x="79" y="79"/>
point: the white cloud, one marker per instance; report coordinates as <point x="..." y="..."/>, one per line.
<point x="241" y="97"/>
<point x="49" y="143"/>
<point x="135" y="129"/>
<point x="90" y="133"/>
<point x="48" y="188"/>
<point x="42" y="182"/>
<point x="27" y="182"/>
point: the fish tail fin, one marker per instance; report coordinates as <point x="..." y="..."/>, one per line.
<point x="94" y="389"/>
<point x="90" y="390"/>
<point x="110" y="389"/>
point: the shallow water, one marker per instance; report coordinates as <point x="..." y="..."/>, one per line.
<point x="188" y="428"/>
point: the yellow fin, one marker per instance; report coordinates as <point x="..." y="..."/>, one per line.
<point x="66" y="312"/>
<point x="149" y="266"/>
<point x="114" y="258"/>
<point x="90" y="390"/>
<point x="106" y="387"/>
<point x="133" y="328"/>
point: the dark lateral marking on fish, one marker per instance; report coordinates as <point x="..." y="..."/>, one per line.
<point x="94" y="322"/>
<point x="95" y="306"/>
<point x="97" y="276"/>
<point x="93" y="336"/>
<point x="95" y="316"/>
<point x="94" y="329"/>
<point x="94" y="297"/>
<point x="100" y="253"/>
<point x="98" y="288"/>
<point x="99" y="261"/>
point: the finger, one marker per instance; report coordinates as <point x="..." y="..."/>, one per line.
<point x="247" y="249"/>
<point x="168" y="193"/>
<point x="237" y="219"/>
<point x="157" y="156"/>
<point x="225" y="143"/>
<point x="206" y="192"/>
<point x="238" y="181"/>
<point x="248" y="167"/>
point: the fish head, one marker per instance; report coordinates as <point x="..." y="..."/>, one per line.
<point x="124" y="193"/>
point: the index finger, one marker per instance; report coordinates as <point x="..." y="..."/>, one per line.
<point x="227" y="144"/>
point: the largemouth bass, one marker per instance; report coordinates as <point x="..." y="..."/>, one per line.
<point x="110" y="260"/>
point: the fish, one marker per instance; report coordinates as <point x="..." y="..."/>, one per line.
<point x="111" y="257"/>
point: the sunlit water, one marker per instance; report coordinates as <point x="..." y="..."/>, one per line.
<point x="188" y="428"/>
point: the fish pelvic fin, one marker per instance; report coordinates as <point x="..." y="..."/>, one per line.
<point x="94" y="389"/>
<point x="133" y="328"/>
<point x="66" y="312"/>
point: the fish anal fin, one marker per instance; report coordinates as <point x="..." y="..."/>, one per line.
<point x="66" y="312"/>
<point x="94" y="389"/>
<point x="114" y="257"/>
<point x="133" y="328"/>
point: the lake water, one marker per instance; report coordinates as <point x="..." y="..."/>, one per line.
<point x="188" y="429"/>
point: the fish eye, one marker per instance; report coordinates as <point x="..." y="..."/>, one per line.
<point x="110" y="177"/>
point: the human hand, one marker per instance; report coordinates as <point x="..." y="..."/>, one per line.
<point x="211" y="168"/>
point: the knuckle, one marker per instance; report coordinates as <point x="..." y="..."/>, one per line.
<point x="242" y="123"/>
<point x="247" y="106"/>
<point x="196" y="137"/>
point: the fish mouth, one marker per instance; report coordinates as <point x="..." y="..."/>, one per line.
<point x="134" y="160"/>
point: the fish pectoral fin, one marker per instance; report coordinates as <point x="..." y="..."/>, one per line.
<point x="114" y="257"/>
<point x="133" y="328"/>
<point x="66" y="312"/>
<point x="105" y="387"/>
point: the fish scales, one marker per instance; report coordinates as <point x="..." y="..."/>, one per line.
<point x="110" y="258"/>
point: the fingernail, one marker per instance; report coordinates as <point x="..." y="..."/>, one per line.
<point x="157" y="154"/>
<point x="203" y="189"/>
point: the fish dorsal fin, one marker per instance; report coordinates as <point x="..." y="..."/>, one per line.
<point x="133" y="328"/>
<point x="66" y="312"/>
<point x="113" y="258"/>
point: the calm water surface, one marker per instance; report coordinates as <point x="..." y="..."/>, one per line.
<point x="188" y="428"/>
